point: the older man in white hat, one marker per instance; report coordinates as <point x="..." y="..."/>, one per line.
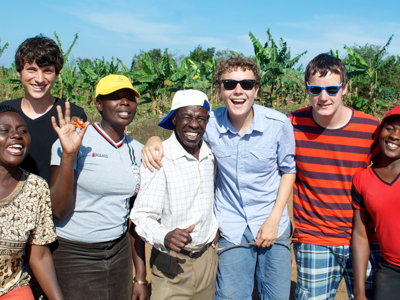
<point x="174" y="208"/>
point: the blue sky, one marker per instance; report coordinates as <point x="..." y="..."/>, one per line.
<point x="122" y="28"/>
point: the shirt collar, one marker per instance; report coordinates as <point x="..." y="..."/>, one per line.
<point x="106" y="137"/>
<point x="257" y="124"/>
<point x="178" y="151"/>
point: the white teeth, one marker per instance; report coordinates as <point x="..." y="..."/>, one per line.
<point x="191" y="134"/>
<point x="124" y="113"/>
<point x="38" y="86"/>
<point x="15" y="148"/>
<point x="393" y="146"/>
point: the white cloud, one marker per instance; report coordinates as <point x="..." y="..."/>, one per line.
<point x="207" y="42"/>
<point x="133" y="29"/>
<point x="125" y="23"/>
<point x="317" y="34"/>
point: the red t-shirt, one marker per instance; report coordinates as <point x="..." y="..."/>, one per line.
<point x="382" y="201"/>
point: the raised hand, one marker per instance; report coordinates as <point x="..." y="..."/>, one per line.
<point x="70" y="138"/>
<point x="178" y="238"/>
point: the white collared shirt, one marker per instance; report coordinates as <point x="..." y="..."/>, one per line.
<point x="178" y="195"/>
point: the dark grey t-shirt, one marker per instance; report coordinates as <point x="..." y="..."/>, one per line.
<point x="43" y="136"/>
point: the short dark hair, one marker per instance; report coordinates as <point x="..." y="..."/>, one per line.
<point x="324" y="63"/>
<point x="6" y="108"/>
<point x="232" y="63"/>
<point x="40" y="50"/>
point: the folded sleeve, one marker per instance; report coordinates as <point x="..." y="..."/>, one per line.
<point x="148" y="208"/>
<point x="286" y="149"/>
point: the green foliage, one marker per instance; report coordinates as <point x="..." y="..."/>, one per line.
<point x="365" y="105"/>
<point x="222" y="54"/>
<point x="199" y="55"/>
<point x="92" y="71"/>
<point x="278" y="76"/>
<point x="69" y="81"/>
<point x="154" y="79"/>
<point x="155" y="55"/>
<point x="157" y="75"/>
<point x="373" y="77"/>
<point x="389" y="94"/>
<point x="3" y="48"/>
<point x="66" y="54"/>
<point x="12" y="79"/>
<point x="367" y="69"/>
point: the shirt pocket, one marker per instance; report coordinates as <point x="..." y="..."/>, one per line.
<point x="262" y="161"/>
<point x="226" y="158"/>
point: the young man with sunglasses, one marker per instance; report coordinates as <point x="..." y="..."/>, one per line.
<point x="333" y="142"/>
<point x="254" y="148"/>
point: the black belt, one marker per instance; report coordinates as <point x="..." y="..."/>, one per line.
<point x="195" y="253"/>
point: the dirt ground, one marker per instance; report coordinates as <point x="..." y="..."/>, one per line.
<point x="340" y="295"/>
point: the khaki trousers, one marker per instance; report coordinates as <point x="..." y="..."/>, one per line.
<point x="179" y="277"/>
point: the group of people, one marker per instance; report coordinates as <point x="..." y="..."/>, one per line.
<point x="211" y="199"/>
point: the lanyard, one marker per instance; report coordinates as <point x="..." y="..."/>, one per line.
<point x="135" y="168"/>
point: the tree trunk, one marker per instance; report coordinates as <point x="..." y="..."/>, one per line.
<point x="371" y="97"/>
<point x="153" y="100"/>
<point x="60" y="86"/>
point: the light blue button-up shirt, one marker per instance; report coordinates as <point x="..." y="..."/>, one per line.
<point x="250" y="169"/>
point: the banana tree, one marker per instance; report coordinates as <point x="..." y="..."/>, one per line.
<point x="273" y="61"/>
<point x="192" y="75"/>
<point x="154" y="79"/>
<point x="291" y="87"/>
<point x="13" y="80"/>
<point x="350" y="80"/>
<point x="71" y="82"/>
<point x="91" y="73"/>
<point x="207" y="70"/>
<point x="63" y="74"/>
<point x="3" y="48"/>
<point x="369" y="70"/>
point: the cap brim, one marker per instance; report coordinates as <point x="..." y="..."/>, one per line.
<point x="166" y="123"/>
<point x="116" y="88"/>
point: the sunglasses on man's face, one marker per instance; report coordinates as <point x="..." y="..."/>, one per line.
<point x="331" y="90"/>
<point x="246" y="84"/>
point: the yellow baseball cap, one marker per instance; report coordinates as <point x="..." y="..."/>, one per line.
<point x="112" y="83"/>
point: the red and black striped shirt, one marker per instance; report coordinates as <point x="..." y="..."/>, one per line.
<point x="326" y="161"/>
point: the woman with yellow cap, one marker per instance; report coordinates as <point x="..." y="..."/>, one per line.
<point x="95" y="177"/>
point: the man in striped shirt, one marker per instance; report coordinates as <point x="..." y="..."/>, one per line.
<point x="333" y="142"/>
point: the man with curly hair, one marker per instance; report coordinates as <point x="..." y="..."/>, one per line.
<point x="254" y="147"/>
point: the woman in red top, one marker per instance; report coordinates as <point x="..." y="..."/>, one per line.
<point x="376" y="197"/>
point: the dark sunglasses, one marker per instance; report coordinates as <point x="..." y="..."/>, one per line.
<point x="331" y="90"/>
<point x="246" y="84"/>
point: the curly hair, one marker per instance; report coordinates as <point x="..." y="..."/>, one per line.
<point x="324" y="63"/>
<point x="232" y="63"/>
<point x="40" y="50"/>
